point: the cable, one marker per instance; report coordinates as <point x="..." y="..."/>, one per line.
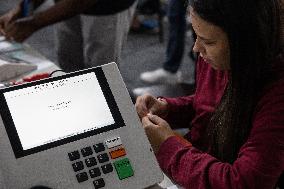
<point x="55" y="71"/>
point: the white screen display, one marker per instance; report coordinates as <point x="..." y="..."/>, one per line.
<point x="52" y="111"/>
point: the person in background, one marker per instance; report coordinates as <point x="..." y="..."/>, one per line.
<point x="169" y="73"/>
<point x="146" y="7"/>
<point x="236" y="115"/>
<point x="105" y="38"/>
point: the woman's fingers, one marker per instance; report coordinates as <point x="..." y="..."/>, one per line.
<point x="146" y="122"/>
<point x="156" y="119"/>
<point x="141" y="107"/>
<point x="144" y="104"/>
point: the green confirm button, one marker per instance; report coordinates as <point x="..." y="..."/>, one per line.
<point x="123" y="168"/>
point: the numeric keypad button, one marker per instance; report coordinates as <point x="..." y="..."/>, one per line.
<point x="90" y="162"/>
<point x="81" y="177"/>
<point x="108" y="168"/>
<point x="74" y="155"/>
<point x="99" y="183"/>
<point x="102" y="158"/>
<point x="95" y="172"/>
<point x="86" y="151"/>
<point x="78" y="166"/>
<point x="100" y="147"/>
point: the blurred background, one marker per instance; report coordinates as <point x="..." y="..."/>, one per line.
<point x="145" y="49"/>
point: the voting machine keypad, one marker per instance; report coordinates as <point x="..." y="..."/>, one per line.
<point x="93" y="162"/>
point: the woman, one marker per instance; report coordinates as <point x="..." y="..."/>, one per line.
<point x="236" y="116"/>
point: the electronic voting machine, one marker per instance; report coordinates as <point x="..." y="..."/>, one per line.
<point x="79" y="130"/>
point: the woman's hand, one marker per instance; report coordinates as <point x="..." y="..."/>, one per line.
<point x="157" y="130"/>
<point x="149" y="104"/>
<point x="20" y="29"/>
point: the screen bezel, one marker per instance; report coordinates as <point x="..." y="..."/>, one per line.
<point x="11" y="129"/>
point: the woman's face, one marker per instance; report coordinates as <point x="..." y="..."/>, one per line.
<point x="212" y="43"/>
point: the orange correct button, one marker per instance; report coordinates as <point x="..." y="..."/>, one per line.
<point x="117" y="153"/>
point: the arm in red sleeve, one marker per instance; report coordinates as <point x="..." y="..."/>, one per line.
<point x="181" y="111"/>
<point x="260" y="160"/>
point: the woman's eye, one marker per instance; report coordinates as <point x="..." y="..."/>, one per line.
<point x="209" y="42"/>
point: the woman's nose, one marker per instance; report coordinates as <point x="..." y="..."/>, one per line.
<point x="194" y="48"/>
<point x="198" y="48"/>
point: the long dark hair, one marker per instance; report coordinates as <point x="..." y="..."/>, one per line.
<point x="254" y="35"/>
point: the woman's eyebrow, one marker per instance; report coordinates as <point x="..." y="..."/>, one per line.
<point x="203" y="38"/>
